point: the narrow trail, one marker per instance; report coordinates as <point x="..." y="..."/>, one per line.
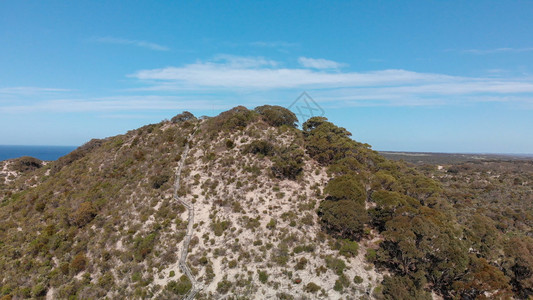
<point x="196" y="286"/>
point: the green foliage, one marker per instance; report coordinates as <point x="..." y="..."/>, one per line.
<point x="403" y="288"/>
<point x="143" y="246"/>
<point x="263" y="276"/>
<point x="84" y="214"/>
<point x="180" y="287"/>
<point x="346" y="187"/>
<point x="481" y="279"/>
<point x="219" y="227"/>
<point x="300" y="265"/>
<point x="39" y="290"/>
<point x="259" y="147"/>
<point x="78" y="263"/>
<point x="338" y="285"/>
<point x="349" y="248"/>
<point x="158" y="180"/>
<point x="26" y="163"/>
<point x="288" y="162"/>
<point x="518" y="264"/>
<point x="183" y="117"/>
<point x="389" y="204"/>
<point x="329" y="144"/>
<point x="312" y="287"/>
<point x="229" y="144"/>
<point x="358" y="279"/>
<point x="277" y="115"/>
<point x="344" y="218"/>
<point x="272" y="224"/>
<point x="336" y="264"/>
<point x="224" y="286"/>
<point x="236" y="118"/>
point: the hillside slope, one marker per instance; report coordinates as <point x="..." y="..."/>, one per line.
<point x="278" y="213"/>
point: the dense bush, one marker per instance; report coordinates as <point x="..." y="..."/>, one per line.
<point x="344" y="218"/>
<point x="79" y="262"/>
<point x="84" y="214"/>
<point x="288" y="163"/>
<point x="158" y="180"/>
<point x="346" y="187"/>
<point x="183" y="117"/>
<point x="26" y="163"/>
<point x="277" y="115"/>
<point x="236" y="118"/>
<point x="180" y="287"/>
<point x="259" y="147"/>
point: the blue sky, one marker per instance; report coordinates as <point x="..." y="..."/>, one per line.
<point x="442" y="76"/>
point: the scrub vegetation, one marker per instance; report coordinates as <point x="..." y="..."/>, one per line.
<point x="279" y="212"/>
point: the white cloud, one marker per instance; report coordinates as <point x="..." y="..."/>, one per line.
<point x="138" y="43"/>
<point x="29" y="90"/>
<point x="273" y="44"/>
<point x="498" y="50"/>
<point x="116" y="103"/>
<point x="232" y="74"/>
<point x="319" y="63"/>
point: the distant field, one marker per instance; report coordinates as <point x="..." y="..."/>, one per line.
<point x="449" y="158"/>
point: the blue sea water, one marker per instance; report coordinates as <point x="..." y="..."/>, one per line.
<point x="40" y="152"/>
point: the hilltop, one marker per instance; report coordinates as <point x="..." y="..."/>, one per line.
<point x="279" y="213"/>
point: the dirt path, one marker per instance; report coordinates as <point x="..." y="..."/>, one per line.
<point x="196" y="286"/>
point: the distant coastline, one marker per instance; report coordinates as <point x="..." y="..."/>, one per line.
<point x="40" y="152"/>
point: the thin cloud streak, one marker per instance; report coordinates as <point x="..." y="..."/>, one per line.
<point x="273" y="44"/>
<point x="138" y="43"/>
<point x="319" y="63"/>
<point x="109" y="104"/>
<point x="30" y="90"/>
<point x="498" y="50"/>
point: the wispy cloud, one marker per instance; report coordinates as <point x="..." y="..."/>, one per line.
<point x="273" y="44"/>
<point x="138" y="43"/>
<point x="498" y="50"/>
<point x="30" y="90"/>
<point x="387" y="86"/>
<point x="319" y="63"/>
<point x="115" y="103"/>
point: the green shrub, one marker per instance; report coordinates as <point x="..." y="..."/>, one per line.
<point x="84" y="214"/>
<point x="338" y="285"/>
<point x="358" y="279"/>
<point x="259" y="147"/>
<point x="224" y="286"/>
<point x="349" y="248"/>
<point x="272" y="224"/>
<point x="346" y="187"/>
<point x="344" y="218"/>
<point x="26" y="163"/>
<point x="229" y="144"/>
<point x="263" y="276"/>
<point x="370" y="255"/>
<point x="277" y="115"/>
<point x="158" y="180"/>
<point x="311" y="287"/>
<point x="39" y="290"/>
<point x="180" y="287"/>
<point x="219" y="227"/>
<point x="335" y="264"/>
<point x="232" y="264"/>
<point x="79" y="262"/>
<point x="300" y="265"/>
<point x="183" y="117"/>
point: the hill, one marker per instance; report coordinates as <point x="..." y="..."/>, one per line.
<point x="242" y="205"/>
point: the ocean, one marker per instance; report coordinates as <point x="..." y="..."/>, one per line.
<point x="40" y="152"/>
